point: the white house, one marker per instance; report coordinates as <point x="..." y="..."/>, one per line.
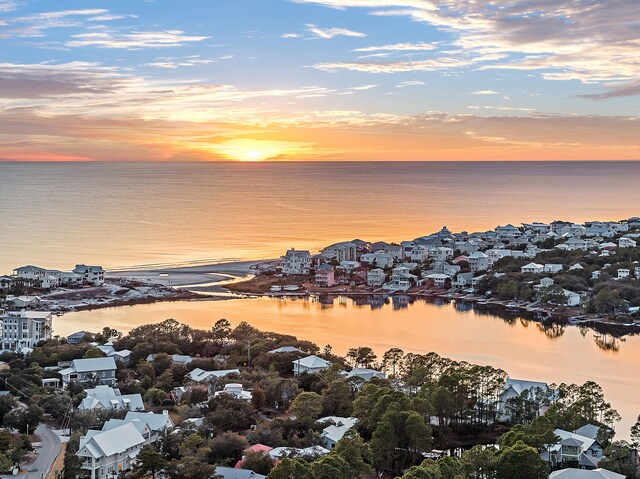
<point x="30" y="273"/>
<point x="626" y="243"/>
<point x="537" y="227"/>
<point x="381" y="259"/>
<point x="572" y="299"/>
<point x="438" y="279"/>
<point x="544" y="283"/>
<point x="623" y="273"/>
<point x="507" y="231"/>
<point x="236" y="390"/>
<point x="345" y="251"/>
<point x="400" y="281"/>
<point x="376" y="277"/>
<point x="285" y="349"/>
<point x="534" y="268"/>
<point x="24" y="329"/>
<point x="156" y="422"/>
<point x="553" y="268"/>
<point x="637" y="272"/>
<point x="104" y="453"/>
<point x="514" y="388"/>
<point x="478" y="261"/>
<point x="586" y="451"/>
<point x="366" y="374"/>
<point x="200" y="375"/>
<point x="310" y="364"/>
<point x="106" y="397"/>
<point x="337" y="428"/>
<point x="295" y="262"/>
<point x="93" y="275"/>
<point x="98" y="370"/>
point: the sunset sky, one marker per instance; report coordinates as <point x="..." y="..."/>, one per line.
<point x="255" y="80"/>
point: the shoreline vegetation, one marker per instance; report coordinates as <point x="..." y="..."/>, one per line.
<point x="238" y="396"/>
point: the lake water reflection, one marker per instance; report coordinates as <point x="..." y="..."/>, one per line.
<point x="524" y="348"/>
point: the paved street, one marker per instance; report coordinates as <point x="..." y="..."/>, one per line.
<point x="46" y="455"/>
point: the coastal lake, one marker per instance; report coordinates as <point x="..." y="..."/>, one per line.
<point x="525" y="349"/>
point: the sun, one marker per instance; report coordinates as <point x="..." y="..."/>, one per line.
<point x="246" y="149"/>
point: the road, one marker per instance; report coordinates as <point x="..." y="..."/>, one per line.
<point x="46" y="455"/>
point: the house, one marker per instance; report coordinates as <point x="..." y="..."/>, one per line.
<point x="626" y="243"/>
<point x="256" y="448"/>
<point x="553" y="268"/>
<point x="400" y="281"/>
<point x="438" y="279"/>
<point x="376" y="277"/>
<point x="325" y="276"/>
<point x="532" y="268"/>
<point x="235" y="390"/>
<point x="576" y="267"/>
<point x="102" y="371"/>
<point x="285" y="349"/>
<point x="310" y="364"/>
<point x="349" y="266"/>
<point x="156" y="422"/>
<point x="574" y="448"/>
<point x="636" y="272"/>
<point x="345" y="251"/>
<point x="25" y="329"/>
<point x="623" y="273"/>
<point x="381" y="259"/>
<point x="295" y="262"/>
<point x="175" y="358"/>
<point x="6" y="282"/>
<point x="514" y="388"/>
<point x="93" y="275"/>
<point x="507" y="231"/>
<point x="106" y="397"/>
<point x="200" y="375"/>
<point x="478" y="261"/>
<point x="573" y="473"/>
<point x="596" y="274"/>
<point x="572" y="299"/>
<point x="23" y="302"/>
<point x="30" y="274"/>
<point x="441" y="253"/>
<point x="233" y="473"/>
<point x="336" y="429"/>
<point x="463" y="280"/>
<point x="307" y="453"/>
<point x="75" y="338"/>
<point x="537" y="227"/>
<point x="106" y="453"/>
<point x="544" y="283"/>
<point x="366" y="374"/>
<point x="124" y="356"/>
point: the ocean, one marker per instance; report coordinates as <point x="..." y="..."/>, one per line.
<point x="123" y="215"/>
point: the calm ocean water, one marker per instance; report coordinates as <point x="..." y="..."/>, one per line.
<point x="125" y="214"/>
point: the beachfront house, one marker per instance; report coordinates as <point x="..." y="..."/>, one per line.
<point x="400" y="281"/>
<point x="340" y="252"/>
<point x="380" y="259"/>
<point x="376" y="277"/>
<point x="438" y="279"/>
<point x="478" y="261"/>
<point x="101" y="371"/>
<point x="25" y="329"/>
<point x="533" y="268"/>
<point x="310" y="365"/>
<point x="325" y="276"/>
<point x="507" y="231"/>
<point x="93" y="275"/>
<point x="295" y="262"/>
<point x="106" y="397"/>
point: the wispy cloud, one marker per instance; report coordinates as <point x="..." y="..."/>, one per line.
<point x="485" y="92"/>
<point x="173" y="63"/>
<point x="398" y="47"/>
<point x="135" y="40"/>
<point x="328" y="33"/>
<point x="406" y="84"/>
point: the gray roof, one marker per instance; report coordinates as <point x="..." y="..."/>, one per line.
<point x="585" y="474"/>
<point x="156" y="422"/>
<point x="231" y="473"/>
<point x="113" y="441"/>
<point x="93" y="364"/>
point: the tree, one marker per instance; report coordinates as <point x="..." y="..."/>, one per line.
<point x="362" y="357"/>
<point x="479" y="462"/>
<point x="228" y="447"/>
<point x="307" y="406"/>
<point x="93" y="353"/>
<point x="337" y="399"/>
<point x="7" y="404"/>
<point x="356" y="452"/>
<point x="258" y="462"/>
<point x="149" y="461"/>
<point x="391" y="359"/>
<point x="25" y="420"/>
<point x="331" y="466"/>
<point x="521" y="461"/>
<point x="290" y="469"/>
<point x="635" y="434"/>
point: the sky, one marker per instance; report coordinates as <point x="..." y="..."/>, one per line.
<point x="252" y="80"/>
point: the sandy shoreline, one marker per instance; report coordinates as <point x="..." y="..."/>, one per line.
<point x="183" y="276"/>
